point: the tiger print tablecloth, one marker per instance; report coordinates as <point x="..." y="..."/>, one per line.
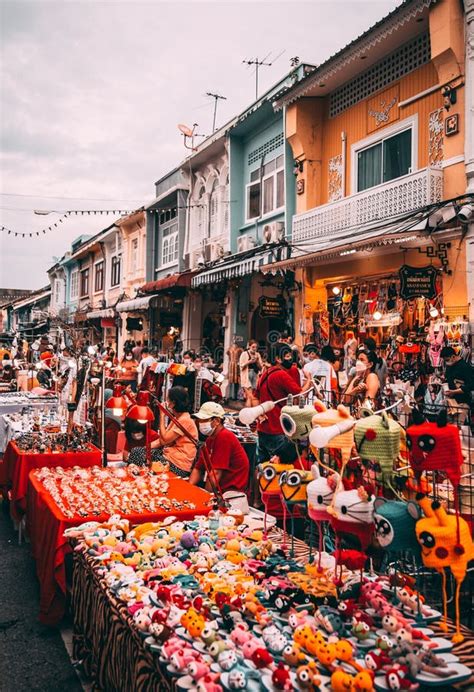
<point x="112" y="653"/>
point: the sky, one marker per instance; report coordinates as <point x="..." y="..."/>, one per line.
<point x="91" y="93"/>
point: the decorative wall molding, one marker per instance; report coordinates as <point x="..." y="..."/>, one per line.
<point x="335" y="174"/>
<point x="436" y="138"/>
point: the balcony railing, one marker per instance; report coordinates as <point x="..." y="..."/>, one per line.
<point x="379" y="203"/>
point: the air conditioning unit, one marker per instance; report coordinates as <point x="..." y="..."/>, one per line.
<point x="245" y="242"/>
<point x="213" y="252"/>
<point x="273" y="232"/>
<point x="197" y="257"/>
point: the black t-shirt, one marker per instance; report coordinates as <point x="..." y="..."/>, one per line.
<point x="461" y="375"/>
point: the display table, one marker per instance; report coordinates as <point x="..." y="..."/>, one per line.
<point x="15" y="402"/>
<point x="46" y="524"/>
<point x="113" y="654"/>
<point x="16" y="467"/>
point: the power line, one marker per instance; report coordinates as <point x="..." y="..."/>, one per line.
<point x="88" y="199"/>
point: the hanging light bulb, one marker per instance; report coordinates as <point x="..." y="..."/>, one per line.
<point x="434" y="312"/>
<point x="336" y="290"/>
<point x="377" y="315"/>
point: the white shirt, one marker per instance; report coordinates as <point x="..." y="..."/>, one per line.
<point x="143" y="365"/>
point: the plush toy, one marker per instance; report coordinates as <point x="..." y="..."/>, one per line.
<point x="395" y="525"/>
<point x="396" y="678"/>
<point x="377" y="439"/>
<point x="308" y="676"/>
<point x="445" y="541"/>
<point x="296" y="421"/>
<point x="281" y="678"/>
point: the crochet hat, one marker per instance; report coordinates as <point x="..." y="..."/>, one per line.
<point x="352" y="513"/>
<point x="377" y="439"/>
<point x="445" y="541"/>
<point x="296" y="421"/>
<point x="320" y="492"/>
<point x="327" y="417"/>
<point x="395" y="524"/>
<point x="294" y="485"/>
<point x="436" y="447"/>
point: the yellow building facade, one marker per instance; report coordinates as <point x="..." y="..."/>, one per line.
<point x="377" y="136"/>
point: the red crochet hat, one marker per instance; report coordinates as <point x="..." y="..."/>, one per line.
<point x="435" y="447"/>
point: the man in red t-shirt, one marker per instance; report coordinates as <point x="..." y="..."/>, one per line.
<point x="229" y="462"/>
<point x="275" y="383"/>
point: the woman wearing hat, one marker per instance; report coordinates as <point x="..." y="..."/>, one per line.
<point x="229" y="463"/>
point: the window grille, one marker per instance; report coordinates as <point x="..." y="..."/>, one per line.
<point x="266" y="148"/>
<point x="409" y="57"/>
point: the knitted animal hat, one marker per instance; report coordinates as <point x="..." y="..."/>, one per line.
<point x="294" y="485"/>
<point x="326" y="417"/>
<point x="320" y="492"/>
<point x="435" y="447"/>
<point x="377" y="439"/>
<point x="395" y="525"/>
<point x="268" y="475"/>
<point x="445" y="541"/>
<point x="352" y="513"/>
<point x="296" y="421"/>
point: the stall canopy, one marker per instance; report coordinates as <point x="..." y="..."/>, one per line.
<point x="136" y="304"/>
<point x="101" y="314"/>
<point x="234" y="269"/>
<point x="182" y="280"/>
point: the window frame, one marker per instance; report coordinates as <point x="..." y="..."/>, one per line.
<point x="116" y="261"/>
<point x="260" y="180"/>
<point x="74" y="284"/>
<point x="134" y="254"/>
<point x="98" y="264"/>
<point x="85" y="280"/>
<point x="377" y="138"/>
<point x="170" y="240"/>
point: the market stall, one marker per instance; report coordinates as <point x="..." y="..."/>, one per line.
<point x="21" y="402"/>
<point x="58" y="499"/>
<point x="17" y="464"/>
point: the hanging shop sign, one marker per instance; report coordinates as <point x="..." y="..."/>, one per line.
<point x="418" y="281"/>
<point x="271" y="307"/>
<point x="389" y="319"/>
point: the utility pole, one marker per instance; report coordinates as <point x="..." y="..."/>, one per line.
<point x="216" y="98"/>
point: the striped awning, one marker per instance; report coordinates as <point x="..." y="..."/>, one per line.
<point x="233" y="270"/>
<point x="99" y="314"/>
<point x="136" y="304"/>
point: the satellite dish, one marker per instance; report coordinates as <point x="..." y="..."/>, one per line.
<point x="185" y="130"/>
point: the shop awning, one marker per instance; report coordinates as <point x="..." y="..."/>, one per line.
<point x="231" y="270"/>
<point x="182" y="280"/>
<point x="99" y="314"/>
<point x="136" y="304"/>
<point x="342" y="247"/>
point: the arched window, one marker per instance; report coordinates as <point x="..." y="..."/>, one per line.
<point x="201" y="214"/>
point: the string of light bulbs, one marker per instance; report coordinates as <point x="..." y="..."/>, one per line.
<point x="88" y="212"/>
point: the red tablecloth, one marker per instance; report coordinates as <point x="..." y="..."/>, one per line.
<point x="46" y="524"/>
<point x="17" y="466"/>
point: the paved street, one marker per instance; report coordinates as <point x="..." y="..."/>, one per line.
<point x="32" y="656"/>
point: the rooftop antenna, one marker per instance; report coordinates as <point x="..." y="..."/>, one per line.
<point x="216" y="98"/>
<point x="294" y="62"/>
<point x="259" y="63"/>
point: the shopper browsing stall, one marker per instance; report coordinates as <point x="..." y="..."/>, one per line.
<point x="229" y="463"/>
<point x="460" y="378"/>
<point x="364" y="384"/>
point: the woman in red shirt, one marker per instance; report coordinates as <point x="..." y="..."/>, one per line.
<point x="229" y="462"/>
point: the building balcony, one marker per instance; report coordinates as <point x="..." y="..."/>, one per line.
<point x="388" y="200"/>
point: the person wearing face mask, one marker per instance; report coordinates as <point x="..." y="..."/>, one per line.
<point x="230" y="464"/>
<point x="274" y="384"/>
<point x="129" y="366"/>
<point x="433" y="400"/>
<point x="135" y="442"/>
<point x="364" y="383"/>
<point x="175" y="446"/>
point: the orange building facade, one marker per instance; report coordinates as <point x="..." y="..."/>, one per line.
<point x="377" y="135"/>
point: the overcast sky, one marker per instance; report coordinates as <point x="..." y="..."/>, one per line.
<point x="91" y="93"/>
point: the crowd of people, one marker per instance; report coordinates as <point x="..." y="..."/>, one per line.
<point x="357" y="376"/>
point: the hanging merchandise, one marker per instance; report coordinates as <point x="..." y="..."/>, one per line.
<point x="377" y="439"/>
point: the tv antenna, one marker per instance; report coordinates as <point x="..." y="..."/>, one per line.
<point x="216" y="98"/>
<point x="189" y="133"/>
<point x="261" y="63"/>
